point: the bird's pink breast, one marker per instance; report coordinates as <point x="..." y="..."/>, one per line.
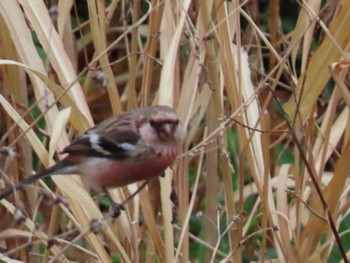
<point x="112" y="173"/>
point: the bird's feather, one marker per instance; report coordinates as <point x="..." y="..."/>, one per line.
<point x="106" y="141"/>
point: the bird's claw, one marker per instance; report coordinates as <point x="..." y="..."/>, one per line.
<point x="116" y="209"/>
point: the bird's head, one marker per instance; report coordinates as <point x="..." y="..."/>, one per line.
<point x="160" y="128"/>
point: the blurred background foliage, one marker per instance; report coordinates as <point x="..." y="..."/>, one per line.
<point x="261" y="87"/>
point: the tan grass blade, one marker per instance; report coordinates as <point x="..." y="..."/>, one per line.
<point x="200" y="107"/>
<point x="67" y="184"/>
<point x="37" y="145"/>
<point x="188" y="95"/>
<point x="22" y="39"/>
<point x="328" y="139"/>
<point x="315" y="227"/>
<point x="40" y="20"/>
<point x="124" y="225"/>
<point x="314" y="79"/>
<point x="133" y="58"/>
<point x="30" y="225"/>
<point x="304" y="29"/>
<point x="166" y="97"/>
<point x="98" y="29"/>
<point x="282" y="210"/>
<point x="166" y="85"/>
<point x="165" y="184"/>
<point x="235" y="91"/>
<point x="85" y="210"/>
<point x="9" y="232"/>
<point x="78" y="120"/>
<point x="338" y="74"/>
<point x="217" y="86"/>
<point x="190" y="208"/>
<point x="151" y="48"/>
<point x="152" y="226"/>
<point x="64" y="8"/>
<point x="58" y="128"/>
<point x="7" y="259"/>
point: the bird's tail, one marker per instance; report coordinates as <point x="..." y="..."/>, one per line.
<point x="40" y="175"/>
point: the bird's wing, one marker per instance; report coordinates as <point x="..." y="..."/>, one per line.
<point x="113" y="138"/>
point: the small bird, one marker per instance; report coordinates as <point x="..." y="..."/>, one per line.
<point x="126" y="148"/>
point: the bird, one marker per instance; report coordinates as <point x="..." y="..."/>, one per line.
<point x="126" y="148"/>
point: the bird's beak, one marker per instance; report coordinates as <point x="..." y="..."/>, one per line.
<point x="167" y="129"/>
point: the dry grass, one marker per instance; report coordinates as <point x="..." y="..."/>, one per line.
<point x="240" y="197"/>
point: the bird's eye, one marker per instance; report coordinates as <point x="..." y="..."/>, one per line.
<point x="176" y="123"/>
<point x="152" y="123"/>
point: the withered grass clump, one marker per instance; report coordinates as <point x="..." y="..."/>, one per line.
<point x="261" y="87"/>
